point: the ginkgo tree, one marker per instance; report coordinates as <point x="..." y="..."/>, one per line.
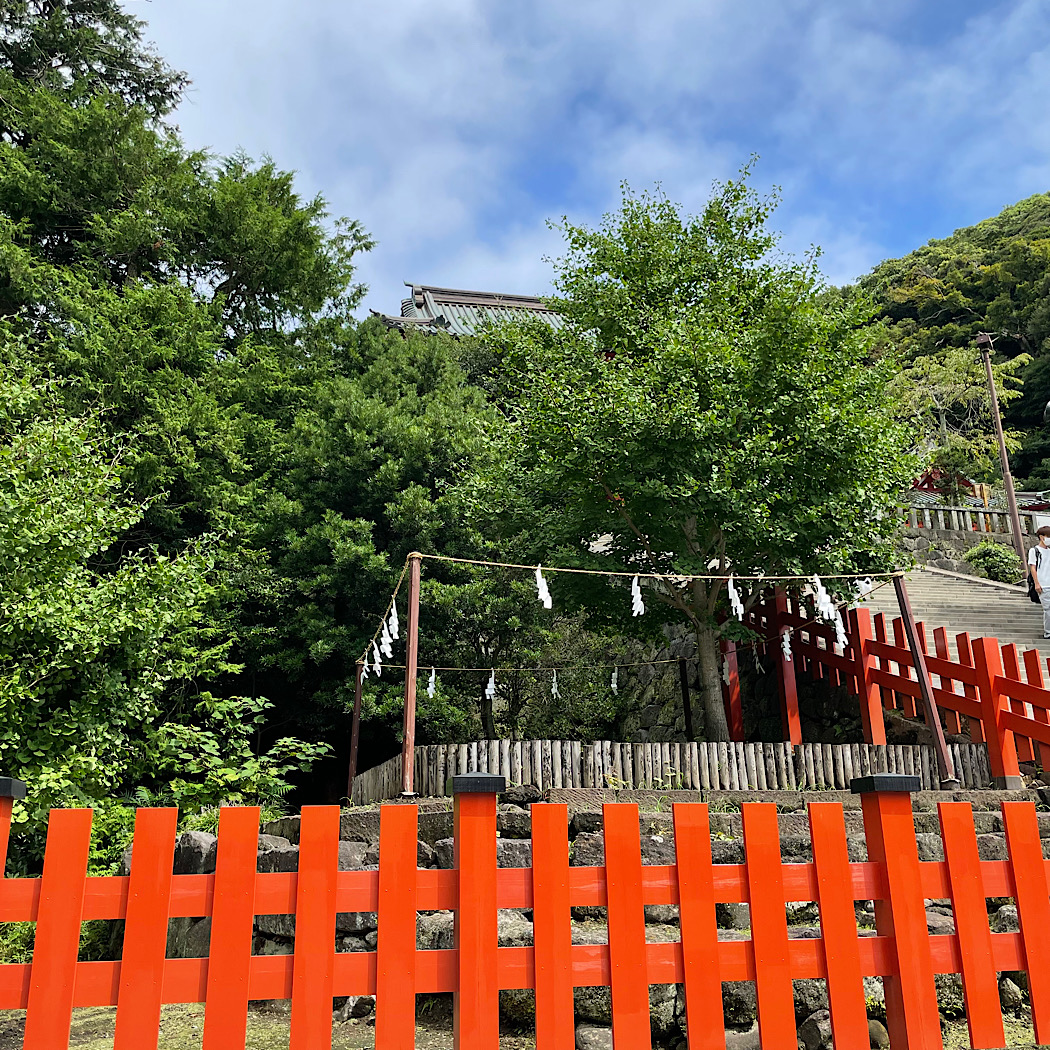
<point x="708" y="407"/>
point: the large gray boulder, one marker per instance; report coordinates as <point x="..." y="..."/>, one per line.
<point x="445" y="853"/>
<point x="593" y="1037"/>
<point x="513" y="929"/>
<point x="434" y="930"/>
<point x="811" y="997"/>
<point x="513" y="853"/>
<point x="195" y="853"/>
<point x="588" y="851"/>
<point x="513" y="822"/>
<point x="815" y="1032"/>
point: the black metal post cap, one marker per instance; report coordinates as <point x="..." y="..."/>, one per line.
<point x="885" y="782"/>
<point x="11" y="788"/>
<point x="475" y="784"/>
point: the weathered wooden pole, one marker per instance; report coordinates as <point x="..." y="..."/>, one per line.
<point x="687" y="704"/>
<point x="408" y="747"/>
<point x="355" y="733"/>
<point x="945" y="767"/>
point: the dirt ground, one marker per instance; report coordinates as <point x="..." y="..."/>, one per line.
<point x="181" y="1028"/>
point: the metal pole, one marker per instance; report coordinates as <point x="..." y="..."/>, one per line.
<point x="945" y="766"/>
<point x="355" y="733"/>
<point x="408" y="747"/>
<point x="984" y="341"/>
<point x="687" y="705"/>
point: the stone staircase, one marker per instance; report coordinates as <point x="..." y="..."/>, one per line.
<point x="981" y="608"/>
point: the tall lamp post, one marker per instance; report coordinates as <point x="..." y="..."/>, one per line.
<point x="984" y="341"/>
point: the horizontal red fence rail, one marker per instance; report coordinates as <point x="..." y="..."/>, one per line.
<point x="902" y="951"/>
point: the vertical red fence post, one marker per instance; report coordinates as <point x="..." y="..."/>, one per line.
<point x="952" y="724"/>
<point x="396" y="948"/>
<point x="476" y="999"/>
<point x="786" y="684"/>
<point x="313" y="966"/>
<point x="705" y="1024"/>
<point x="1012" y="669"/>
<point x="769" y="931"/>
<point x="731" y="690"/>
<point x="1035" y="677"/>
<point x="552" y="927"/>
<point x="871" y="717"/>
<point x="52" y="976"/>
<point x="838" y="924"/>
<point x="889" y="698"/>
<point x="1002" y="755"/>
<point x="145" y="941"/>
<point x="628" y="966"/>
<point x="1032" y="896"/>
<point x="975" y="725"/>
<point x="232" y="922"/>
<point x="969" y="906"/>
<point x="911" y="995"/>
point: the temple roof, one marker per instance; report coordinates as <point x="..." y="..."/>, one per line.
<point x="460" y="312"/>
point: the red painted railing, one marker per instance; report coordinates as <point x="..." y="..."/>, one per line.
<point x="902" y="951"/>
<point x="985" y="685"/>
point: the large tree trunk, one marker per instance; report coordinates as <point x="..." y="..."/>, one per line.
<point x="716" y="726"/>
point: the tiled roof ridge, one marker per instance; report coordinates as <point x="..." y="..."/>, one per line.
<point x="468" y="297"/>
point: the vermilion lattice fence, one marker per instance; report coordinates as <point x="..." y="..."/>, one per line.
<point x="1000" y="692"/>
<point x="903" y="951"/>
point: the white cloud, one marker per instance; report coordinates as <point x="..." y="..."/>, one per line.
<point x="453" y="128"/>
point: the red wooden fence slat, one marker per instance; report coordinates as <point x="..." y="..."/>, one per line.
<point x="970" y="909"/>
<point x="705" y="1023"/>
<point x="233" y="913"/>
<point x="838" y="924"/>
<point x="1034" y="671"/>
<point x="52" y="975"/>
<point x="962" y="643"/>
<point x="1002" y="754"/>
<point x="146" y="930"/>
<point x="1012" y="670"/>
<point x="476" y="1003"/>
<point x="940" y="647"/>
<point x="552" y="927"/>
<point x="396" y="949"/>
<point x="627" y="955"/>
<point x="313" y="965"/>
<point x="911" y="998"/>
<point x="880" y="636"/>
<point x="905" y="701"/>
<point x="1033" y="907"/>
<point x="872" y="720"/>
<point x="769" y="932"/>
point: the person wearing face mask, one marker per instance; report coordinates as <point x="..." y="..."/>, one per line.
<point x="1039" y="567"/>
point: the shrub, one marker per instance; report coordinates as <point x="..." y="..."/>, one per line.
<point x="996" y="561"/>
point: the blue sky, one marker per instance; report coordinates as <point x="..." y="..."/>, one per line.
<point x="453" y="128"/>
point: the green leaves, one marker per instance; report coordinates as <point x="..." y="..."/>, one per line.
<point x="707" y="406"/>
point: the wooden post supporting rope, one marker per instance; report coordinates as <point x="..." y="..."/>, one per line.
<point x="355" y="733"/>
<point x="945" y="767"/>
<point x="408" y="747"/>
